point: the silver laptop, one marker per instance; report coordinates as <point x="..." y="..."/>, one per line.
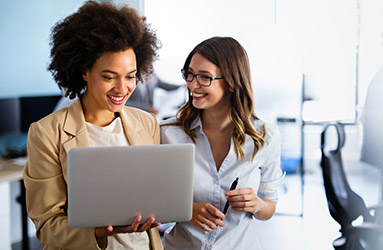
<point x="111" y="185"/>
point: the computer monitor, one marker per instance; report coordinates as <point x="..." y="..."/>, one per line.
<point x="34" y="108"/>
<point x="9" y="116"/>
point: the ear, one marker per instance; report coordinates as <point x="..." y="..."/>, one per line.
<point x="85" y="76"/>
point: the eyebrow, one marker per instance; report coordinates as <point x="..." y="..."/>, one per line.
<point x="113" y="72"/>
<point x="201" y="72"/>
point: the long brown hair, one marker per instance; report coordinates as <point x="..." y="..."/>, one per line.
<point x="227" y="54"/>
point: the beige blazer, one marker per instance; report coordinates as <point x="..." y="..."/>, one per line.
<point x="45" y="173"/>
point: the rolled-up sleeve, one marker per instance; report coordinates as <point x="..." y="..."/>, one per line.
<point x="271" y="174"/>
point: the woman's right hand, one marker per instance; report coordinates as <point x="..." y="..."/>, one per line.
<point x="207" y="217"/>
<point x="102" y="232"/>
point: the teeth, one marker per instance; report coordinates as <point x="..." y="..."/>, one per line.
<point x="116" y="98"/>
<point x="198" y="95"/>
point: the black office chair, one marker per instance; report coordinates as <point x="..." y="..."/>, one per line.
<point x="345" y="205"/>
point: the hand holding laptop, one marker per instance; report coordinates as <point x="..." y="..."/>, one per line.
<point x="102" y="232"/>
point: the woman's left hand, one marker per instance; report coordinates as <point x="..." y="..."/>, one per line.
<point x="245" y="200"/>
<point x="135" y="226"/>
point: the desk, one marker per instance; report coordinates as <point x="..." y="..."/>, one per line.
<point x="10" y="172"/>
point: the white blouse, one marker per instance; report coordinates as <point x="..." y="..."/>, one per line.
<point x="263" y="174"/>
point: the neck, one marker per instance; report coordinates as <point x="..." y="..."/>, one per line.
<point x="216" y="120"/>
<point x="95" y="116"/>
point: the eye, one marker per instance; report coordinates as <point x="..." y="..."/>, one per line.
<point x="205" y="77"/>
<point x="108" y="78"/>
<point x="131" y="78"/>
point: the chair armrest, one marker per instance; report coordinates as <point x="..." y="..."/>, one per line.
<point x="378" y="207"/>
<point x="376" y="212"/>
<point x="369" y="233"/>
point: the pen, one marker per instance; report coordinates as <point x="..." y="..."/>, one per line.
<point x="233" y="186"/>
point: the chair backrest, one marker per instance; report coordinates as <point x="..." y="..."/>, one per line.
<point x="344" y="204"/>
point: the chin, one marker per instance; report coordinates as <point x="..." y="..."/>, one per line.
<point x="116" y="108"/>
<point x="201" y="107"/>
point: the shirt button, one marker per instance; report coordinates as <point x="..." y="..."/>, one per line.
<point x="217" y="182"/>
<point x="209" y="247"/>
<point x="216" y="204"/>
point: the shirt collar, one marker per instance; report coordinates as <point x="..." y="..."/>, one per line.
<point x="196" y="124"/>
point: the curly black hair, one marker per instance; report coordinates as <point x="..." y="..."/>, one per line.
<point x="81" y="38"/>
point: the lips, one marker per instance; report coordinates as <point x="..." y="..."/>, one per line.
<point x="116" y="99"/>
<point x="198" y="95"/>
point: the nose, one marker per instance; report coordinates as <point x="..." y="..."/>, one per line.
<point x="124" y="86"/>
<point x="121" y="86"/>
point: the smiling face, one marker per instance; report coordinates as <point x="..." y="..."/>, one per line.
<point x="110" y="82"/>
<point x="215" y="97"/>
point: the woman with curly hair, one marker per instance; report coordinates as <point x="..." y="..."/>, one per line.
<point x="231" y="142"/>
<point x="98" y="54"/>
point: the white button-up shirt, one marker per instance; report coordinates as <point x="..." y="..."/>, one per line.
<point x="263" y="174"/>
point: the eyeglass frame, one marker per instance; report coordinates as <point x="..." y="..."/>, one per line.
<point x="211" y="78"/>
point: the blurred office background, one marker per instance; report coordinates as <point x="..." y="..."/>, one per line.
<point x="311" y="60"/>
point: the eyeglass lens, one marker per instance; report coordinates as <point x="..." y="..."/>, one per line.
<point x="201" y="79"/>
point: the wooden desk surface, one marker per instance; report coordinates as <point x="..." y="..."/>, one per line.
<point x="10" y="171"/>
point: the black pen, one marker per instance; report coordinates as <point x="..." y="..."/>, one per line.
<point x="233" y="186"/>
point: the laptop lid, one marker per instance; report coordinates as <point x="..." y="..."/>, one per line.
<point x="111" y="185"/>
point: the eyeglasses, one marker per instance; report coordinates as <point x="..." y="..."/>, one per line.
<point x="202" y="80"/>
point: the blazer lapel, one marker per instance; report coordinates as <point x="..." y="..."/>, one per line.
<point x="133" y="128"/>
<point x="75" y="127"/>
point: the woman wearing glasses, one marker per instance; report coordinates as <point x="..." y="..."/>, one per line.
<point x="230" y="142"/>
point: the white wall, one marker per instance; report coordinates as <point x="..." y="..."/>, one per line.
<point x="25" y="27"/>
<point x="270" y="36"/>
<point x="284" y="39"/>
<point x="371" y="43"/>
<point x="136" y="4"/>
